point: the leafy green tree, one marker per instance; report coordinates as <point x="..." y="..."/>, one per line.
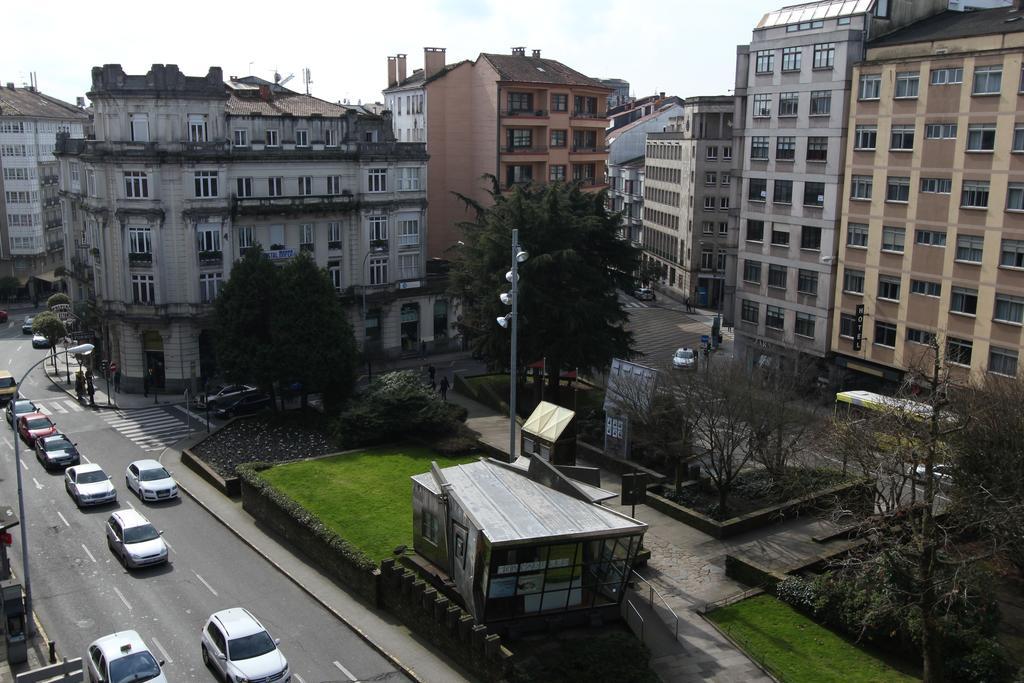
<point x="312" y="338"/>
<point x="50" y="326"/>
<point x="9" y="287"/>
<point x="57" y="299"/>
<point x="568" y="304"/>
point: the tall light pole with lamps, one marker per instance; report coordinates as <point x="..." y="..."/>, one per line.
<point x="511" y="298"/>
<point x="80" y="350"/>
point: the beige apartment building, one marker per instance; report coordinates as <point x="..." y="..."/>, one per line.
<point x="932" y="237"/>
<point x="519" y="118"/>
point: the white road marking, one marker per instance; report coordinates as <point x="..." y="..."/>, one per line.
<point x="23" y="464"/>
<point x="66" y="523"/>
<point x="345" y="671"/>
<point x="166" y="543"/>
<point x="203" y="581"/>
<point x="126" y="603"/>
<point x="38" y="485"/>
<point x="88" y="553"/>
<point x="298" y="678"/>
<point x="167" y="657"/>
<point x="85" y="459"/>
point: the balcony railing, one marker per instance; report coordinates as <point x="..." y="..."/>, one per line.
<point x="140" y="259"/>
<point x="534" y="113"/>
<point x="531" y="149"/>
<point x="586" y="149"/>
<point x="298" y="204"/>
<point x="334" y="245"/>
<point x="307" y="246"/>
<point x="211" y="258"/>
<point x="585" y="114"/>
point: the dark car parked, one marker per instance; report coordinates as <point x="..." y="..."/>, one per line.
<point x="17" y="408"/>
<point x="56" y="451"/>
<point x="244" y="405"/>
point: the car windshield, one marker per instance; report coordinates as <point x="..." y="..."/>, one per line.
<point x="6" y="382"/>
<point x="57" y="445"/>
<point x="250" y="646"/>
<point x="140" y="534"/>
<point x="39" y="423"/>
<point x="684" y="353"/>
<point x="91" y="477"/>
<point x="140" y="666"/>
<point x="24" y="407"/>
<point x="154" y="474"/>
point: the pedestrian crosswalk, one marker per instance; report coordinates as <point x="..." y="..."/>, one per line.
<point x="59" y="407"/>
<point x="635" y="304"/>
<point x="151" y="429"/>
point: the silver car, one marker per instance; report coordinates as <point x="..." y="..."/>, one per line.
<point x="89" y="485"/>
<point x="134" y="540"/>
<point x="150" y="480"/>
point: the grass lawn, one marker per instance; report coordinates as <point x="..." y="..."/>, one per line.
<point x="366" y="498"/>
<point x="796" y="649"/>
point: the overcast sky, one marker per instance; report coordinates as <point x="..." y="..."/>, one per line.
<point x="681" y="47"/>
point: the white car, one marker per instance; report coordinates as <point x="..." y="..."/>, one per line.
<point x="684" y="359"/>
<point x="136" y="542"/>
<point x="238" y="649"/>
<point x="150" y="480"/>
<point x="89" y="485"/>
<point x="943" y="474"/>
<point x="122" y="657"/>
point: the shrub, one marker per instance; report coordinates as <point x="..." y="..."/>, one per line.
<point x="462" y="442"/>
<point x="799" y="593"/>
<point x="56" y="299"/>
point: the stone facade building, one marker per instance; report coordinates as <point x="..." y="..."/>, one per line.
<point x="186" y="173"/>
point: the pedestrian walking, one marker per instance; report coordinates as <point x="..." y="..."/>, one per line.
<point x="145" y="384"/>
<point x="90" y="387"/>
<point x="444" y="388"/>
<point x="423" y="349"/>
<point x="79" y="385"/>
<point x="117" y="380"/>
<point x="433" y="373"/>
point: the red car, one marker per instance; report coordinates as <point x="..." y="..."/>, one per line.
<point x="34" y="425"/>
<point x="3" y="316"/>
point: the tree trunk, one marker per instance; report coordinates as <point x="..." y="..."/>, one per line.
<point x="723" y="502"/>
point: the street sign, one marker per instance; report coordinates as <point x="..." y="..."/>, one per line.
<point x="858" y="327"/>
<point x="634" y="488"/>
<point x="704" y="339"/>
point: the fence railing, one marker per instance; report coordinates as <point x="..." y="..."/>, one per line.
<point x="633" y="615"/>
<point x="654" y="597"/>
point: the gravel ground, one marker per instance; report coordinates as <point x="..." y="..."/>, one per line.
<point x="268" y="438"/>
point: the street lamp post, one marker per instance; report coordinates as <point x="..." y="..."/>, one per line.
<point x="511" y="298"/>
<point x="83" y="350"/>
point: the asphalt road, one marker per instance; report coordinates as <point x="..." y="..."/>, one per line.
<point x="81" y="592"/>
<point x="660" y="327"/>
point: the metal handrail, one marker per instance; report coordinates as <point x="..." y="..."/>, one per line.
<point x="629" y="603"/>
<point x="650" y="599"/>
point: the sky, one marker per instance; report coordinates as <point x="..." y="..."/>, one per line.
<point x="681" y="47"/>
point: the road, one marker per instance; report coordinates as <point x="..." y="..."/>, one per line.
<point x="660" y="327"/>
<point x="81" y="591"/>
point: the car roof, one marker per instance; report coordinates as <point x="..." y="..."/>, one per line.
<point x="87" y="467"/>
<point x="54" y="437"/>
<point x="147" y="464"/>
<point x="32" y="416"/>
<point x="18" y="401"/>
<point x="130" y="517"/>
<point x="111" y="645"/>
<point x="5" y="373"/>
<point x="237" y="622"/>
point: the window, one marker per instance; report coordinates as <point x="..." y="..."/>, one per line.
<point x="429" y="527"/>
<point x="243" y="187"/>
<point x="865" y="137"/>
<point x="136" y="185"/>
<point x="755" y="231"/>
<point x="709" y="202"/>
<point x="1002" y="361"/>
<point x="897" y="189"/>
<point x="708" y="227"/>
<point x="207" y="238"/>
<point x="785" y="148"/>
<point x="780" y="238"/>
<point x="774" y="317"/>
<point x="936" y="185"/>
<point x="814" y="194"/>
<point x="520" y="101"/>
<point x="885" y="334"/>
<point x="306" y="236"/>
<point x="821" y="102"/>
<point x="810" y="238"/>
<point x="807" y="282"/>
<point x="1009" y="309"/>
<point x="749" y="311"/>
<point x="947" y="76"/>
<point x="804" y="324"/>
<point x="302" y="138"/>
<point x="959" y="351"/>
<point x="246" y="239"/>
<point x="408" y="232"/>
<point x="139" y="127"/>
<point x="907" y="83"/>
<point x="789" y="103"/>
<point x="817" y="149"/>
<point x="847" y="325"/>
<point x="981" y="137"/>
<point x="409" y="266"/>
<point x="711" y="178"/>
<point x="920" y="336"/>
<point x="707" y="258"/>
<point x="764" y="61"/>
<point x="377" y="180"/>
<point x="240" y="137"/>
<point x="90" y="181"/>
<point x="557" y="173"/>
<point x="274" y="187"/>
<point x="334" y="184"/>
<point x="378" y="270"/>
<point x="791" y="57"/>
<point x="209" y="284"/>
<point x="783" y="194"/>
<point x="902" y="138"/>
<point x="378" y="228"/>
<point x="334" y="271"/>
<point x="932" y="238"/>
<point x="824" y="55"/>
<point x="723" y="228"/>
<point x="330" y="140"/>
<point x="757" y="190"/>
<point x="987" y="80"/>
<point x="964" y="300"/>
<point x="969" y="248"/>
<point x="1011" y="254"/>
<point x="558" y="138"/>
<point x="759" y="147"/>
<point x="888" y="287"/>
<point x="723" y="203"/>
<point x="853" y="281"/>
<point x="974" y="194"/>
<point x="712" y="152"/>
<point x="726" y="154"/>
<point x="1015" y="197"/>
<point x="205" y="183"/>
<point x="140" y="240"/>
<point x="1018" y="139"/>
<point x="197" y="128"/>
<point x="870" y="87"/>
<point x="520" y="138"/>
<point x="856" y="235"/>
<point x="762" y="105"/>
<point x="777" y="276"/>
<point x="720" y="259"/>
<point x="893" y="239"/>
<point x="143" y="288"/>
<point x="271" y="138"/>
<point x="305" y="185"/>
<point x="925" y="288"/>
<point x="940" y="131"/>
<point x="334" y="235"/>
<point x="408" y="179"/>
<point x="559" y="103"/>
<point x="752" y="271"/>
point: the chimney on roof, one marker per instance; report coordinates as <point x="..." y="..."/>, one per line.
<point x="519" y="52"/>
<point x="661" y="94"/>
<point x="265" y="93"/>
<point x="433" y="60"/>
<point x="536" y="54"/>
<point x="392" y="72"/>
<point x="401" y="68"/>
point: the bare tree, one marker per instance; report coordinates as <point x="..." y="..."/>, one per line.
<point x="781" y="417"/>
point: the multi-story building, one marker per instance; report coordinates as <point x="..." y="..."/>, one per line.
<point x="31" y="225"/>
<point x="687" y="229"/>
<point x="620" y="91"/>
<point x="932" y="239"/>
<point x="792" y="91"/>
<point x="187" y="173"/>
<point x="519" y="118"/>
<point x="635" y="109"/>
